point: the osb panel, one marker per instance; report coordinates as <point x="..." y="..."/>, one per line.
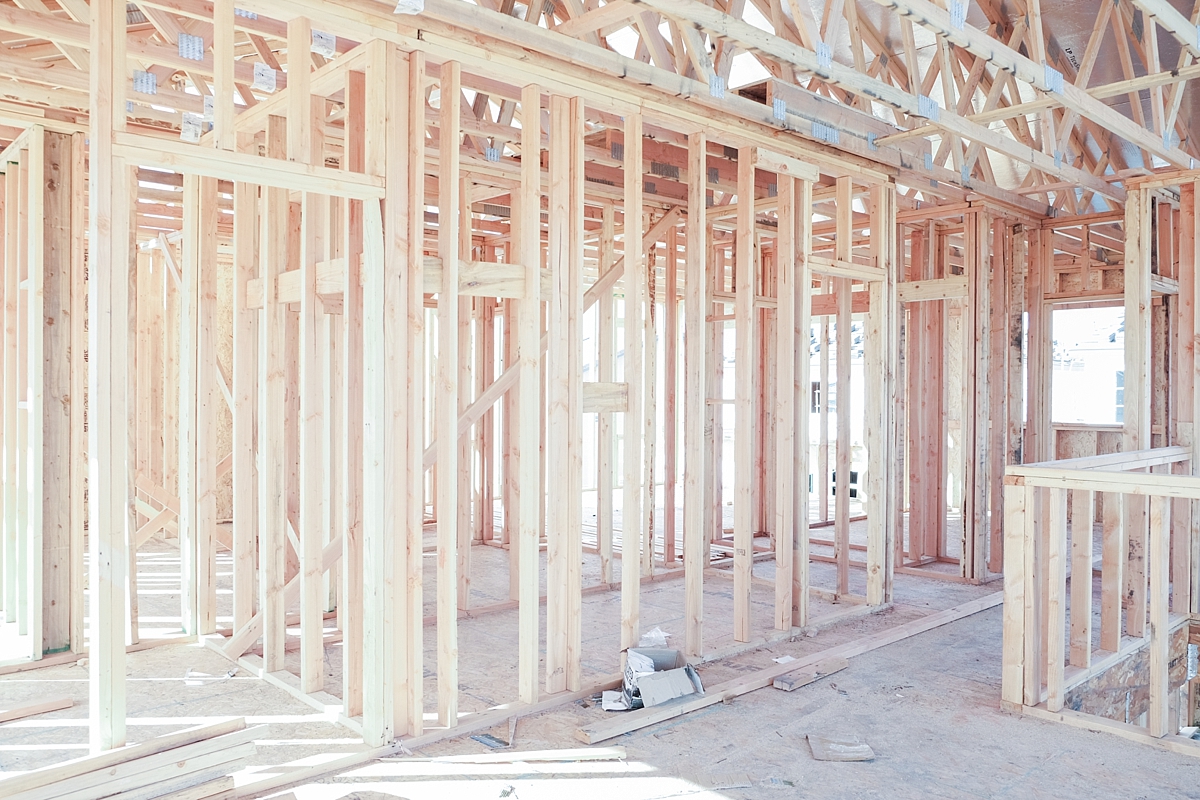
<point x="1122" y="693"/>
<point x="1070" y="282"/>
<point x="1114" y="280"/>
<point x="1106" y="442"/>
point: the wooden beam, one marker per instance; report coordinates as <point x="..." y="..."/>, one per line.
<point x="297" y="176"/>
<point x="1173" y="22"/>
<point x="758" y="41"/>
<point x="224" y="61"/>
<point x="982" y="45"/>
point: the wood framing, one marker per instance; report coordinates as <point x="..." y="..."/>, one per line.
<point x="416" y="319"/>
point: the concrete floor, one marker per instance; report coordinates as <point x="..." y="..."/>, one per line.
<point x="928" y="706"/>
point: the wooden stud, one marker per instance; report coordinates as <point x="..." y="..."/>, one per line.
<point x="55" y="369"/>
<point x="446" y="385"/>
<point x="381" y="595"/>
<point x="34" y="389"/>
<point x="245" y="392"/>
<point x="649" y="535"/>
<point x="564" y="397"/>
<point x="743" y="508"/>
<point x="1033" y="624"/>
<point x="79" y="377"/>
<point x="1160" y="632"/>
<point x="574" y="504"/>
<point x="12" y="453"/>
<point x="878" y="380"/>
<point x="671" y="385"/>
<point x="787" y="345"/>
<point x="306" y="115"/>
<point x="975" y="410"/>
<point x="821" y="482"/>
<point x="605" y="441"/>
<point x="272" y="430"/>
<point x="1083" y="511"/>
<point x="1137" y="392"/>
<point x="528" y="247"/>
<point x="1056" y="571"/>
<point x="801" y="466"/>
<point x="409" y="167"/>
<point x="1185" y="516"/>
<point x="466" y="380"/>
<point x="695" y="500"/>
<point x="190" y="550"/>
<point x="842" y="286"/>
<point x="224" y="135"/>
<point x="350" y="439"/>
<point x="1015" y="589"/>
<point x="108" y="373"/>
<point x="1114" y="551"/>
<point x="634" y="278"/>
<point x="206" y="456"/>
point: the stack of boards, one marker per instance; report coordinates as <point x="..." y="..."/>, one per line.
<point x="193" y="764"/>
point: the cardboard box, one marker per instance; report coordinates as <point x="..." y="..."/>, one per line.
<point x="652" y="677"/>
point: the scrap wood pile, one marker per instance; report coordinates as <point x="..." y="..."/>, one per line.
<point x="193" y="764"/>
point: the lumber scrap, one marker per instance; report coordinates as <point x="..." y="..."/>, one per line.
<point x="636" y="720"/>
<point x="176" y="778"/>
<point x="794" y="680"/>
<point x="125" y="769"/>
<point x="527" y="756"/>
<point x="33" y="709"/>
<point x="220" y="789"/>
<point x="153" y="776"/>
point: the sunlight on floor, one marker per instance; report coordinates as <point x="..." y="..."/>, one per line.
<point x="431" y="779"/>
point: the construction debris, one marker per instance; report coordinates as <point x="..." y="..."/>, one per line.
<point x="194" y="764"/>
<point x="43" y="707"/>
<point x="794" y="680"/>
<point x="840" y="748"/>
<point x="653" y="676"/>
